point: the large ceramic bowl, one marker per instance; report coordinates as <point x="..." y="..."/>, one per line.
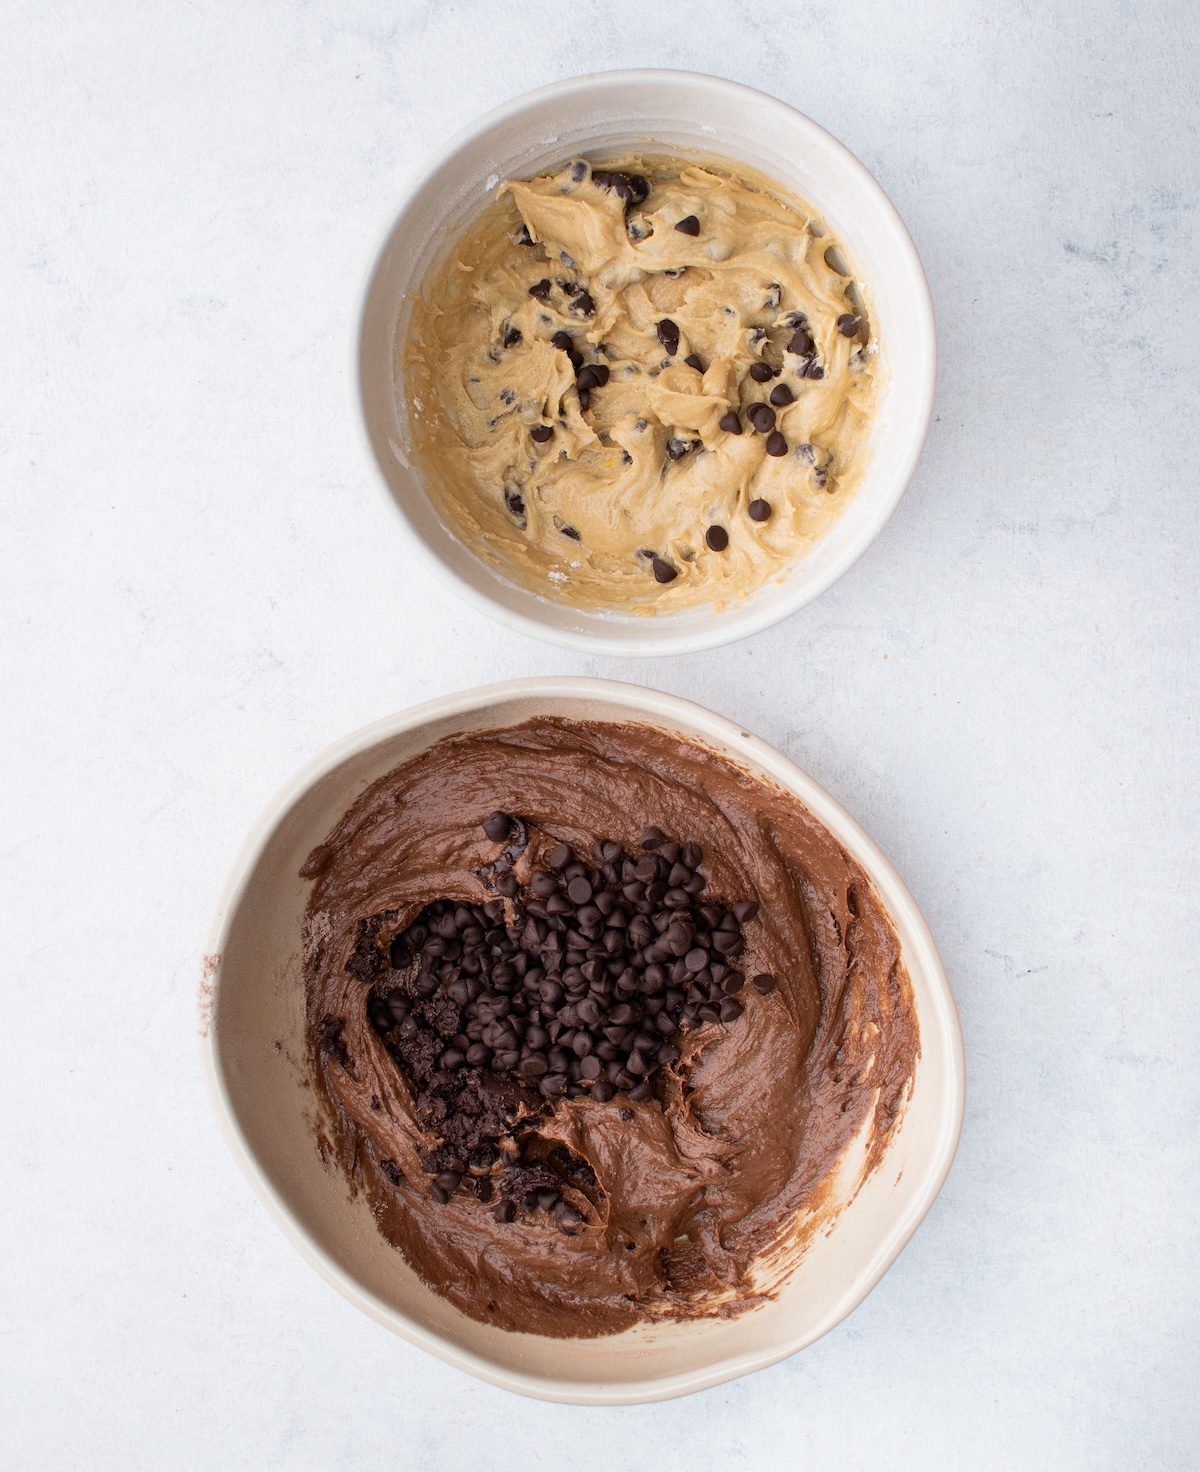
<point x="255" y="1063"/>
<point x="673" y="111"/>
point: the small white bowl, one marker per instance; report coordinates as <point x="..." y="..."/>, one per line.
<point x="641" y="109"/>
<point x="256" y="1067"/>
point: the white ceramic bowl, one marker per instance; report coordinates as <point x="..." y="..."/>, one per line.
<point x="255" y="1065"/>
<point x="674" y="110"/>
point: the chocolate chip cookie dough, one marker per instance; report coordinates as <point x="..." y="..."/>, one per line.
<point x="645" y="386"/>
<point x="585" y="1070"/>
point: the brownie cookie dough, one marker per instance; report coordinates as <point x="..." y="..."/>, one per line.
<point x="645" y="386"/>
<point x="585" y="1070"/>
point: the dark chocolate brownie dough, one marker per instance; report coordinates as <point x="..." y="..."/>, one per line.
<point x="594" y="1015"/>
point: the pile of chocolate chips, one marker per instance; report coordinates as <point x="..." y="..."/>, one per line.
<point x="580" y="986"/>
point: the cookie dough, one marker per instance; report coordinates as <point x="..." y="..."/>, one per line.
<point x="614" y="364"/>
<point x="693" y="1197"/>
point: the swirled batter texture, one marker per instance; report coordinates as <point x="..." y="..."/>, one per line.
<point x="692" y="1201"/>
<point x="644" y="387"/>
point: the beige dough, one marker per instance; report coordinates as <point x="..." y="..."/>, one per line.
<point x="630" y="485"/>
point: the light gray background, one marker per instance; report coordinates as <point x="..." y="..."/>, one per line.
<point x="201" y="588"/>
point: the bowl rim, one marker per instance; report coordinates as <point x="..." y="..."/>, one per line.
<point x="657" y="705"/>
<point x="698" y="633"/>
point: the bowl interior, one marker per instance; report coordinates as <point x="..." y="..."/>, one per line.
<point x="257" y="1067"/>
<point x="670" y="111"/>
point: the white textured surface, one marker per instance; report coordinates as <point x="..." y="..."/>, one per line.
<point x="199" y="591"/>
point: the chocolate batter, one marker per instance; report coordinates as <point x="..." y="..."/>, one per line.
<point x="699" y="1199"/>
<point x="614" y="365"/>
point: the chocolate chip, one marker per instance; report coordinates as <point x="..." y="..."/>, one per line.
<point x="781" y="396"/>
<point x="609" y="179"/>
<point x="668" y="335"/>
<point x="814" y="370"/>
<point x="579" y="891"/>
<point x="497" y="826"/>
<point x="663" y="571"/>
<point x="583" y="305"/>
<point x="776" y="444"/>
<point x="592" y="375"/>
<point x="512" y="337"/>
<point x="694" y="362"/>
<point x="567" y="1217"/>
<point x="762" y="417"/>
<point x="585" y="399"/>
<point x="689" y="225"/>
<point x="759" y="510"/>
<point x="578" y="170"/>
<point x="745" y="910"/>
<point x="801" y="342"/>
<point x="559" y="856"/>
<point x="540" y="289"/>
<point x="677" y="448"/>
<point x="505" y="1212"/>
<point x="730" y="423"/>
<point x="602" y="1091"/>
<point x="717" y="538"/>
<point x="848" y="324"/>
<point x="563" y="341"/>
<point x="763" y="983"/>
<point x="524" y="237"/>
<point x="761" y="372"/>
<point x="541" y="433"/>
<point x="632" y="188"/>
